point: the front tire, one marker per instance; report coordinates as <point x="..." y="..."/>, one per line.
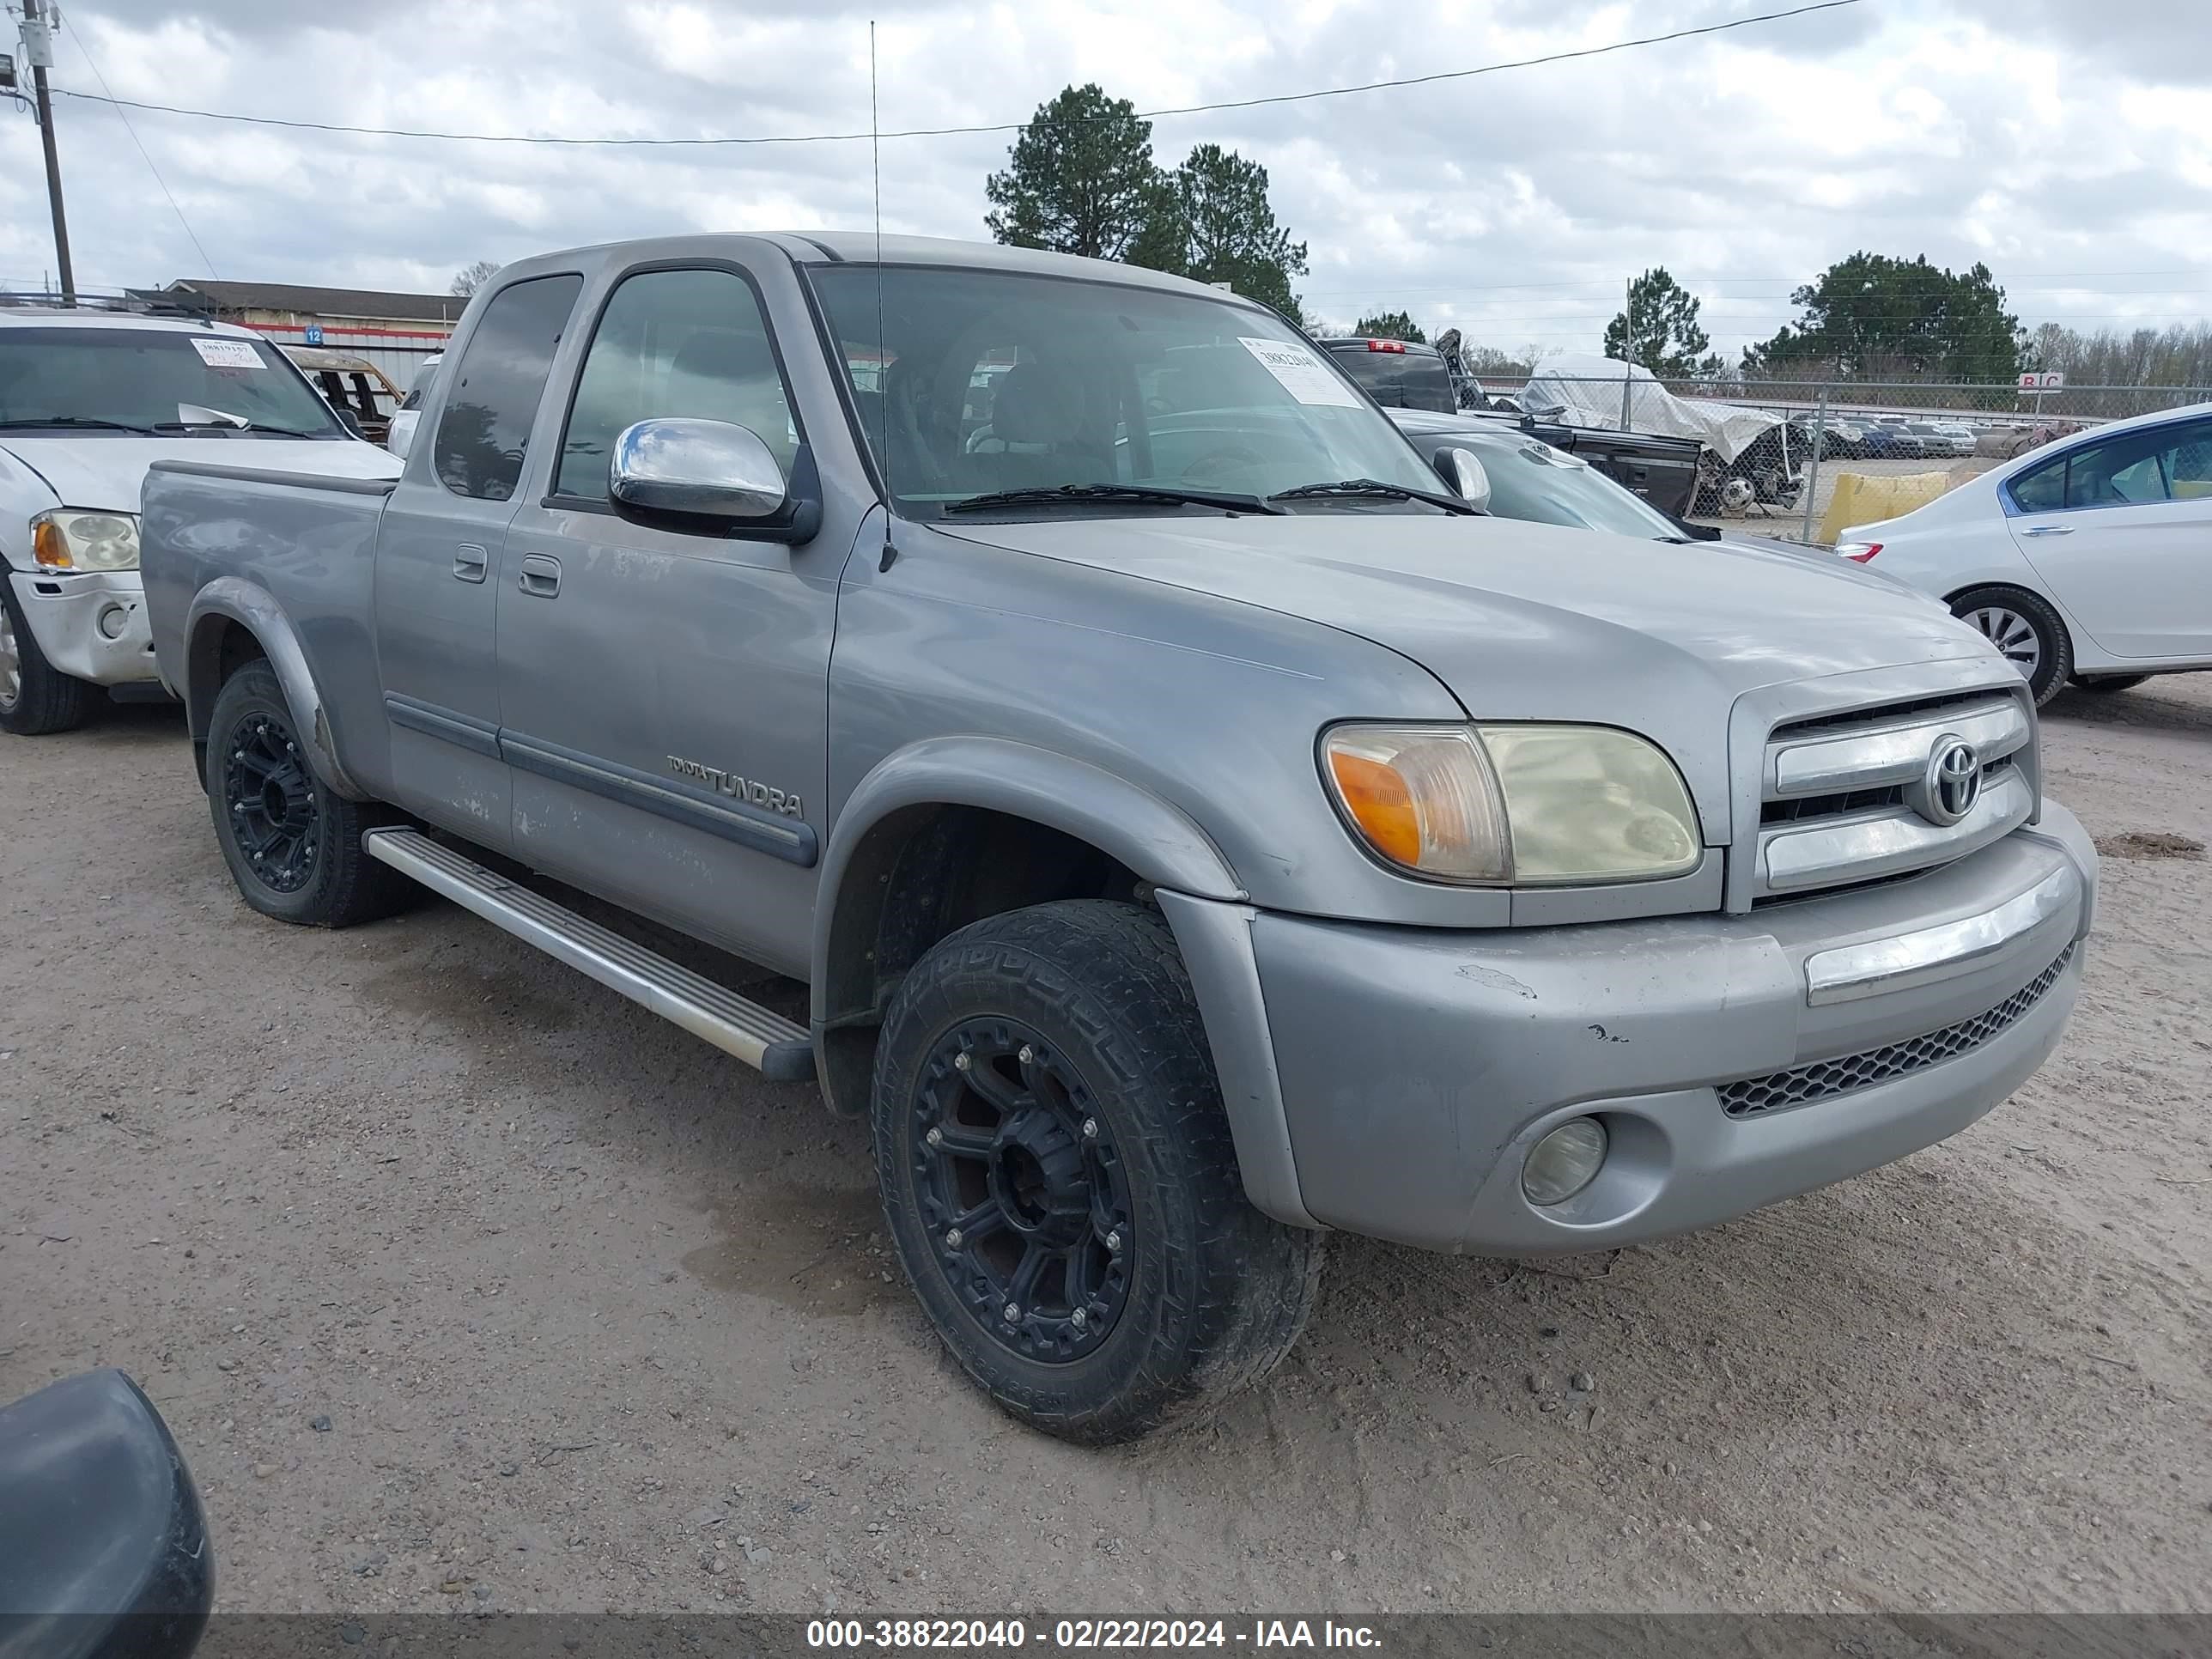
<point x="36" y="698"/>
<point x="1058" y="1180"/>
<point x="2024" y="627"/>
<point x="292" y="843"/>
<point x="2105" y="683"/>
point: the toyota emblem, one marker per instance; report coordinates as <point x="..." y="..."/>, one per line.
<point x="1952" y="782"/>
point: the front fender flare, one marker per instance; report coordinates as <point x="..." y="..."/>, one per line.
<point x="1153" y="839"/>
<point x="234" y="599"/>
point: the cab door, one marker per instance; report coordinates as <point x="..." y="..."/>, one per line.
<point x="439" y="558"/>
<point x="665" y="686"/>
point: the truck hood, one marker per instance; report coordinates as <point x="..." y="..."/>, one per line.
<point x="104" y="470"/>
<point x="1530" y="622"/>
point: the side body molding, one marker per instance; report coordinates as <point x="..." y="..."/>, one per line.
<point x="233" y="599"/>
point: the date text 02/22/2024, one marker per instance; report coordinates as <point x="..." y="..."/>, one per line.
<point x="1084" y="1635"/>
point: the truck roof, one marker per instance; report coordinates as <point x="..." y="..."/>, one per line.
<point x="820" y="247"/>
<point x="65" y="316"/>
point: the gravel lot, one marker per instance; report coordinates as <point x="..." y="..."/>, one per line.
<point x="465" y="1284"/>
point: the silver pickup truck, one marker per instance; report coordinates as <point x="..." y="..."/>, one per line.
<point x="1199" y="824"/>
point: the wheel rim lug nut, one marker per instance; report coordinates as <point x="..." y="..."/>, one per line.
<point x="952" y="1239"/>
<point x="1090" y="1128"/>
<point x="1114" y="1241"/>
<point x="1078" y="1319"/>
<point x="935" y="1136"/>
<point x="1012" y="1311"/>
<point x="961" y="1062"/>
<point x="1027" y="1054"/>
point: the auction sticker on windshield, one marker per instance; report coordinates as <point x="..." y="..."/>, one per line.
<point x="1303" y="375"/>
<point x="227" y="354"/>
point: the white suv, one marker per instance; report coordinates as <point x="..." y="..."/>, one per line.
<point x="88" y="399"/>
<point x="2088" y="560"/>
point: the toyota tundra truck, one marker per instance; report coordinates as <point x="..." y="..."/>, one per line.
<point x="88" y="399"/>
<point x="1200" y="825"/>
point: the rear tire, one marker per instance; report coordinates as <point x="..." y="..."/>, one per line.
<point x="1078" y="1232"/>
<point x="293" y="844"/>
<point x="36" y="698"/>
<point x="2026" y="630"/>
<point x="2103" y="683"/>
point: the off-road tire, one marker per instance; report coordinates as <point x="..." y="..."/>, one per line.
<point x="2054" y="646"/>
<point x="1215" y="1292"/>
<point x="46" y="700"/>
<point x="341" y="884"/>
<point x="2104" y="684"/>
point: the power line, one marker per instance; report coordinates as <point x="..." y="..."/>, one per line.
<point x="133" y="131"/>
<point x="946" y="132"/>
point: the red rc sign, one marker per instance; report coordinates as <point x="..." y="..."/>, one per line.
<point x="2050" y="380"/>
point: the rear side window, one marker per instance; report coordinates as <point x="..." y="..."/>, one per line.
<point x="485" y="426"/>
<point x="2043" y="489"/>
<point x="674" y="343"/>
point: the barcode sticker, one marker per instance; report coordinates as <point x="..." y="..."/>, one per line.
<point x="227" y="354"/>
<point x="1303" y="375"/>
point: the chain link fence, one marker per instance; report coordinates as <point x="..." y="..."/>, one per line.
<point x="1773" y="457"/>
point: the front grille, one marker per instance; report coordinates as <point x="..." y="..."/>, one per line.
<point x="1824" y="1079"/>
<point x="1831" y="806"/>
<point x="1794" y="808"/>
<point x="1840" y="802"/>
<point x="1884" y="713"/>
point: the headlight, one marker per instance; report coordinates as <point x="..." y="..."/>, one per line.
<point x="1496" y="805"/>
<point x="68" y="539"/>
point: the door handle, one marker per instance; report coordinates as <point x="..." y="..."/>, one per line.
<point x="471" y="562"/>
<point x="2048" y="530"/>
<point x="541" y="575"/>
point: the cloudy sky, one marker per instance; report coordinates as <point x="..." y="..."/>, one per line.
<point x="2066" y="142"/>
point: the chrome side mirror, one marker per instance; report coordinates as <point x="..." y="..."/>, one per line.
<point x="1461" y="470"/>
<point x="710" y="469"/>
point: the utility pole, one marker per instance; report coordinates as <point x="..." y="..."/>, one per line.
<point x="38" y="48"/>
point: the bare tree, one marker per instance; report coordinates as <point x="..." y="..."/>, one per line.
<point x="468" y="278"/>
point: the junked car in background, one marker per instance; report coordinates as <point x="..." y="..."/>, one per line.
<point x="360" y="392"/>
<point x="88" y="399"/>
<point x="2088" y="560"/>
<point x="1940" y="437"/>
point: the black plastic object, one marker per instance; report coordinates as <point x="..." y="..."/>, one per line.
<point x="104" y="1550"/>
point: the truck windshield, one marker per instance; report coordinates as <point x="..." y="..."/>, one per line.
<point x="982" y="381"/>
<point x="147" y="380"/>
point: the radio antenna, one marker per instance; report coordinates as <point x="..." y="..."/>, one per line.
<point x="882" y="345"/>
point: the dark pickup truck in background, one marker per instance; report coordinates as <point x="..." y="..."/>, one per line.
<point x="1407" y="374"/>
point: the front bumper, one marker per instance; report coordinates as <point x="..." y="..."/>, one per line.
<point x="1416" y="1068"/>
<point x="90" y="624"/>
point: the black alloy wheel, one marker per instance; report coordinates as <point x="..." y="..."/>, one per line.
<point x="1018" y="1182"/>
<point x="271" y="798"/>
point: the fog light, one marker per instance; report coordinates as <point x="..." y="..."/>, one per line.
<point x="1564" y="1162"/>
<point x="113" y="621"/>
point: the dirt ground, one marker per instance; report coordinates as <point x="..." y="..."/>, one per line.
<point x="465" y="1284"/>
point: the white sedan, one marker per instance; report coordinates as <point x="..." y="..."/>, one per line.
<point x="2088" y="560"/>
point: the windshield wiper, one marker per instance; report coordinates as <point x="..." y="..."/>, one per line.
<point x="82" y="422"/>
<point x="231" y="425"/>
<point x="1351" y="487"/>
<point x="1050" y="495"/>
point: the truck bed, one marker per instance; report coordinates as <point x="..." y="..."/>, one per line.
<point x="306" y="540"/>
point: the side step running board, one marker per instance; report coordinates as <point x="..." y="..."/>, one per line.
<point x="779" y="1048"/>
